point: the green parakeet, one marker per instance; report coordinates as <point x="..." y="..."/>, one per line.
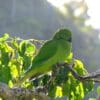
<point x="53" y="51"/>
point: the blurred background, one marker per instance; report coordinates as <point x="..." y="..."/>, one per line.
<point x="39" y="19"/>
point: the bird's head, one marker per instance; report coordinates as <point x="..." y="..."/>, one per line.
<point x="63" y="34"/>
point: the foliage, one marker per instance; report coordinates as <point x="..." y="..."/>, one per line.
<point x="15" y="59"/>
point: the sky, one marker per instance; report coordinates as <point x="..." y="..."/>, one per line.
<point x="93" y="10"/>
<point x="94" y="13"/>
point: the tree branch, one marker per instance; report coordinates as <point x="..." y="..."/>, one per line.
<point x="18" y="93"/>
<point x="90" y="77"/>
<point x="7" y="93"/>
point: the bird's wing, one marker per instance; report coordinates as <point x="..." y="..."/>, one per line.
<point x="47" y="51"/>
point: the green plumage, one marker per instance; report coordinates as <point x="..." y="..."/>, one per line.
<point x="53" y="51"/>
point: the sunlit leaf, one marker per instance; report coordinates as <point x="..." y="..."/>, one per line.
<point x="26" y="48"/>
<point x="98" y="90"/>
<point x="30" y="48"/>
<point x="58" y="91"/>
<point x="79" y="67"/>
<point x="4" y="38"/>
<point x="22" y="47"/>
<point x="15" y="43"/>
<point x="14" y="71"/>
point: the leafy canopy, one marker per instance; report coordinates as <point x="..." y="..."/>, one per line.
<point x="16" y="58"/>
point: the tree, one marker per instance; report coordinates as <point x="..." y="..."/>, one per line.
<point x="68" y="79"/>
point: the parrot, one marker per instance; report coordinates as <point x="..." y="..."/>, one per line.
<point x="52" y="52"/>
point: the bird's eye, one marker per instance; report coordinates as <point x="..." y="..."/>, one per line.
<point x="70" y="39"/>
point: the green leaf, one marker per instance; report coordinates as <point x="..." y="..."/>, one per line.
<point x="26" y="48"/>
<point x="46" y="79"/>
<point x="4" y="57"/>
<point x="6" y="53"/>
<point x="52" y="90"/>
<point x="98" y="90"/>
<point x="22" y="48"/>
<point x="4" y="38"/>
<point x="14" y="68"/>
<point x="27" y="60"/>
<point x="58" y="91"/>
<point x="79" y="67"/>
<point x="5" y="75"/>
<point x="62" y="75"/>
<point x="88" y="86"/>
<point x="30" y="48"/>
<point x="15" y="43"/>
<point x="66" y="88"/>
